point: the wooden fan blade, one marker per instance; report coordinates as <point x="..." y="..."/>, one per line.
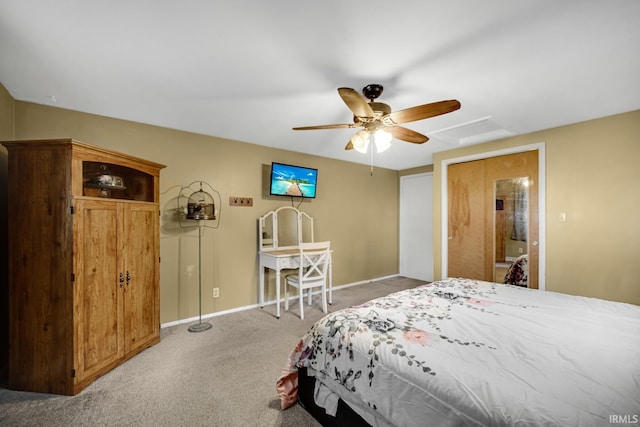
<point x="342" y="126"/>
<point x="349" y="146"/>
<point x="408" y="135"/>
<point x="356" y="103"/>
<point x="424" y="111"/>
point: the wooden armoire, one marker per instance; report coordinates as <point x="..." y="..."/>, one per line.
<point x="84" y="260"/>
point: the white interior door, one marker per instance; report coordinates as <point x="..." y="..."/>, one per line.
<point x="416" y="226"/>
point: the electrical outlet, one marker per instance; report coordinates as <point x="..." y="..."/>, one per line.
<point x="240" y="201"/>
<point x="216" y="292"/>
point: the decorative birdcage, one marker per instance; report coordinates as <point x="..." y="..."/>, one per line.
<point x="199" y="213"/>
<point x="201" y="206"/>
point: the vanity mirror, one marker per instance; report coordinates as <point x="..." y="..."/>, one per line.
<point x="286" y="227"/>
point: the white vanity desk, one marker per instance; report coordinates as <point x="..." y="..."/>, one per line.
<point x="279" y="234"/>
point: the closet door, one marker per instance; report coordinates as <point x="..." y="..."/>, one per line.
<point x="515" y="167"/>
<point x="471" y="214"/>
<point x="467" y="220"/>
<point x="416" y="226"/>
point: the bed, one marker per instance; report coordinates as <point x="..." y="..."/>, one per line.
<point x="466" y="352"/>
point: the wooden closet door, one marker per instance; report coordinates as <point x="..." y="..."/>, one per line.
<point x="98" y="296"/>
<point x="471" y="213"/>
<point x="519" y="165"/>
<point x="467" y="220"/>
<point x="142" y="324"/>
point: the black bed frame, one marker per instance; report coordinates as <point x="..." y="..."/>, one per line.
<point x="345" y="416"/>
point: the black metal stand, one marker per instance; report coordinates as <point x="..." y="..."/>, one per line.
<point x="200" y="326"/>
<point x="200" y="217"/>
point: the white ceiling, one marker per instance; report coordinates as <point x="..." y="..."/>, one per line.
<point x="250" y="70"/>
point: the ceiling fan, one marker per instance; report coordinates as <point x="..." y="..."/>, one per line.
<point x="376" y="118"/>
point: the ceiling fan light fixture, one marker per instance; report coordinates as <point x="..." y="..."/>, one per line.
<point x="380" y="123"/>
<point x="360" y="141"/>
<point x="382" y="140"/>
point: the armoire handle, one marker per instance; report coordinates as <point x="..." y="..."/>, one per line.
<point x="121" y="280"/>
<point x="128" y="278"/>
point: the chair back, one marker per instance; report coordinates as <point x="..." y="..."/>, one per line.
<point x="314" y="260"/>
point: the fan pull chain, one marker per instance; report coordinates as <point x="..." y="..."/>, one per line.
<point x="371" y="168"/>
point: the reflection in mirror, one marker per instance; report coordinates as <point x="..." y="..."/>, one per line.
<point x="284" y="229"/>
<point x="287" y="227"/>
<point x="511" y="223"/>
<point x="267" y="231"/>
<point x="306" y="226"/>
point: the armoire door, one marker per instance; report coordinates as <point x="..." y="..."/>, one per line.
<point x="472" y="208"/>
<point x="98" y="296"/>
<point x="140" y="260"/>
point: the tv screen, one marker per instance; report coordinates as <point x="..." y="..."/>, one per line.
<point x="293" y="181"/>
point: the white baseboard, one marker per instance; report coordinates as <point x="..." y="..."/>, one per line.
<point x="273" y="301"/>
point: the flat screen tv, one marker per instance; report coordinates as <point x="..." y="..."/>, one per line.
<point x="293" y="181"/>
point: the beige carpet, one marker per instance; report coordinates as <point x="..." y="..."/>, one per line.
<point x="221" y="377"/>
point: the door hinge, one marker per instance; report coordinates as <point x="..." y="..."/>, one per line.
<point x="73" y="277"/>
<point x="73" y="373"/>
<point x="73" y="210"/>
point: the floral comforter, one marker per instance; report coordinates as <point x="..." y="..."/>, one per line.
<point x="466" y="352"/>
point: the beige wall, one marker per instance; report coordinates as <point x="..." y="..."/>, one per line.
<point x="7" y="105"/>
<point x="414" y="171"/>
<point x="356" y="211"/>
<point x="593" y="174"/>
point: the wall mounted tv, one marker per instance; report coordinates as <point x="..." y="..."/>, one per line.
<point x="293" y="181"/>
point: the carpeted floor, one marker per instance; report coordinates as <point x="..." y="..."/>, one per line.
<point x="221" y="377"/>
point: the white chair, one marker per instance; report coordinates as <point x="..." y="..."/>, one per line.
<point x="312" y="273"/>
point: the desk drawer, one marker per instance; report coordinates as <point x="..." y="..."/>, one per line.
<point x="288" y="262"/>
